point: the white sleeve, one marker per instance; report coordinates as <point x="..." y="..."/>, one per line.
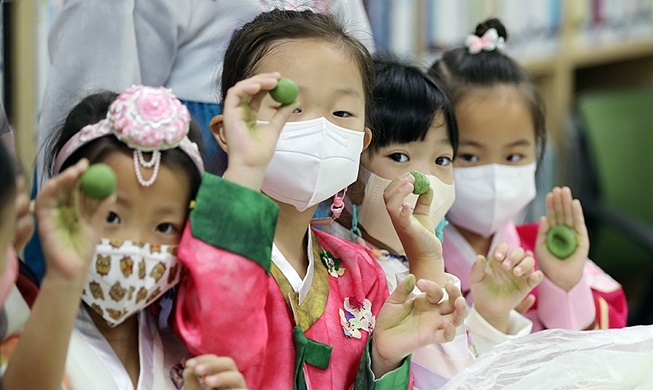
<point x="484" y="336"/>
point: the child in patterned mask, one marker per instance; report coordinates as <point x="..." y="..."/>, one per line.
<point x="501" y="122"/>
<point x="145" y="136"/>
<point x="296" y="307"/>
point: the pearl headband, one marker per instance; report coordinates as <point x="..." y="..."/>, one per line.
<point x="146" y="119"/>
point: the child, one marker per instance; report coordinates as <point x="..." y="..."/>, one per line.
<point x="296" y="307"/>
<point x="417" y="131"/>
<point x="143" y="135"/>
<point x="67" y="223"/>
<point x="501" y="123"/>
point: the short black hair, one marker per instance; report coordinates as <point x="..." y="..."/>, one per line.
<point x="406" y="100"/>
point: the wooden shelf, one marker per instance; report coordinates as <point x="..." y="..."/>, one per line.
<point x="581" y="56"/>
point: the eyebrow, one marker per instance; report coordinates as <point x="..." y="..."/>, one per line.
<point x="521" y="142"/>
<point x="348" y="91"/>
<point x="170" y="210"/>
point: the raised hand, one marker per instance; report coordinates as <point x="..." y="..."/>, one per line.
<point x="69" y="224"/>
<point x="503" y="283"/>
<point x="562" y="209"/>
<point x="250" y="146"/>
<point x="211" y="371"/>
<point x="409" y="322"/>
<point x="415" y="229"/>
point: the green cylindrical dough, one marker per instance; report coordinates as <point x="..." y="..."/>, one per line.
<point x="98" y="182"/>
<point x="561" y="241"/>
<point x="285" y="92"/>
<point x="421" y="184"/>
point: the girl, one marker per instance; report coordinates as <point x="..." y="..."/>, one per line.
<point x="501" y="122"/>
<point x="143" y="135"/>
<point x="417" y="131"/>
<point x="297" y="306"/>
<point x="68" y="224"/>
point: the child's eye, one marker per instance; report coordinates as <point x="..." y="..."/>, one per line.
<point x="342" y="114"/>
<point x="472" y="158"/>
<point x="514" y="157"/>
<point x="443" y="161"/>
<point x="297" y="111"/>
<point x="166" y="228"/>
<point x="113" y="218"/>
<point x="398" y="157"/>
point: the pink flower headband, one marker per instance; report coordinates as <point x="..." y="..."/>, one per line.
<point x="146" y="119"/>
<point x="490" y="41"/>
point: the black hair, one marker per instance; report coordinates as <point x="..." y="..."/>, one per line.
<point x="257" y="38"/>
<point x="462" y="72"/>
<point x="406" y="100"/>
<point x="92" y="109"/>
<point x="7" y="179"/>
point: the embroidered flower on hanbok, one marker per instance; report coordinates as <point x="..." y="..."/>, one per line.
<point x="357" y="316"/>
<point x="332" y="264"/>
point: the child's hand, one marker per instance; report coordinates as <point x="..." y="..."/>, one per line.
<point x="503" y="283"/>
<point x="69" y="224"/>
<point x="24" y="219"/>
<point x="415" y="229"/>
<point x="250" y="145"/>
<point x="563" y="210"/>
<point x="210" y="371"/>
<point x="407" y="323"/>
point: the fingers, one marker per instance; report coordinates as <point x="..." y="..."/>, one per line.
<point x="535" y="278"/>
<point x="524" y="266"/>
<point x="432" y="292"/>
<point x="215" y="371"/>
<point x="477" y="273"/>
<point x="559" y="204"/>
<point x="513" y="258"/>
<point x="244" y="91"/>
<point x="60" y="188"/>
<point x="500" y="252"/>
<point x="402" y="292"/>
<point x="396" y="192"/>
<point x="526" y="304"/>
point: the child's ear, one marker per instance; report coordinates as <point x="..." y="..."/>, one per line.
<point x="217" y="129"/>
<point x="367" y="139"/>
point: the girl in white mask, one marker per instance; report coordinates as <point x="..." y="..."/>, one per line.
<point x="501" y="123"/>
<point x="414" y="130"/>
<point x="297" y="307"/>
<point x="144" y="135"/>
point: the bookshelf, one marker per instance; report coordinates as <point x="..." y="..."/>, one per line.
<point x="567" y="46"/>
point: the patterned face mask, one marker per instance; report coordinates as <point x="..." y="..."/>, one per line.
<point x="127" y="276"/>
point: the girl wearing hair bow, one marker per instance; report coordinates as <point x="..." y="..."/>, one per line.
<point x="502" y="132"/>
<point x="145" y="136"/>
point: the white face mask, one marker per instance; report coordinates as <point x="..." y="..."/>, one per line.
<point x="313" y="160"/>
<point x="487" y="196"/>
<point x="373" y="215"/>
<point x="127" y="276"/>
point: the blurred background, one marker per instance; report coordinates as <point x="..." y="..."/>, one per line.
<point x="593" y="63"/>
